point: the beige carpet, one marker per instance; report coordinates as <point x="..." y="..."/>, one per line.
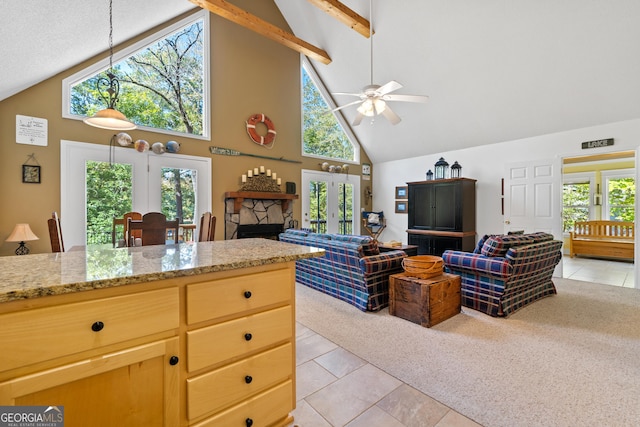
<point x="572" y="359"/>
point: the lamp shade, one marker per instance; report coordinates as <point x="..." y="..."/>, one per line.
<point x="110" y="119"/>
<point x="21" y="233"/>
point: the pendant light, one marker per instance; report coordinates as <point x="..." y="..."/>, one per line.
<point x="110" y="118"/>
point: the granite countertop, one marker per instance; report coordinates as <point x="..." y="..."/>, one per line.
<point x="33" y="276"/>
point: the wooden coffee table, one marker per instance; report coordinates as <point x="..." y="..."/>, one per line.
<point x="426" y="302"/>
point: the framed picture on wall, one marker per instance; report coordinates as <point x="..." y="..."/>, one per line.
<point x="402" y="193"/>
<point x="401" y="206"/>
<point x="31" y="174"/>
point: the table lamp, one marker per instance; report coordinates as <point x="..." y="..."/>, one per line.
<point x="22" y="233"/>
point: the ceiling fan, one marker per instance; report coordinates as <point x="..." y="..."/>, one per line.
<point x="373" y="98"/>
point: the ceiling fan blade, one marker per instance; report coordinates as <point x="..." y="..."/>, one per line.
<point x="388" y="88"/>
<point x="347" y="105"/>
<point x="406" y="98"/>
<point x="358" y="119"/>
<point x="347" y="94"/>
<point x="391" y="116"/>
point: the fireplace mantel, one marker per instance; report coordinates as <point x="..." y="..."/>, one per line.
<point x="239" y="197"/>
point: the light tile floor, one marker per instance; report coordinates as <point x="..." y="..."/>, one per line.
<point x="608" y="272"/>
<point x="336" y="388"/>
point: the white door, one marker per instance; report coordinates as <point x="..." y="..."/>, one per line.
<point x="533" y="195"/>
<point x="330" y="202"/>
<point x="143" y="185"/>
<point x="533" y="198"/>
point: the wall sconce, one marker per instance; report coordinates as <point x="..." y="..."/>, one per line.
<point x="442" y="168"/>
<point x="597" y="197"/>
<point x="22" y="233"/>
<point x="456" y="170"/>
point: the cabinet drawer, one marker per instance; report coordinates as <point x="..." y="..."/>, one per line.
<point x="217" y="343"/>
<point x="233" y="383"/>
<point x="223" y="297"/>
<point x="46" y="333"/>
<point x="263" y="409"/>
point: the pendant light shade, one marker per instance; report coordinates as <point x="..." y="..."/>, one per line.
<point x="110" y="118"/>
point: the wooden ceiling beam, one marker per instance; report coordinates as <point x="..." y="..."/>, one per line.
<point x="342" y="13"/>
<point x="242" y="17"/>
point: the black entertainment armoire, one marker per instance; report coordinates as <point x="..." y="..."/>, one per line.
<point x="442" y="215"/>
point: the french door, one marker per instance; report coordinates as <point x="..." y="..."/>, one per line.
<point x="97" y="185"/>
<point x="330" y="202"/>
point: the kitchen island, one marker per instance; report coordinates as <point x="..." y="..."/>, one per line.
<point x="196" y="334"/>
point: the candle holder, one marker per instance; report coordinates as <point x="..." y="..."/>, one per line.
<point x="456" y="170"/>
<point x="429" y="175"/>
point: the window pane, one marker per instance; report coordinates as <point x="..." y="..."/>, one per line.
<point x="318" y="206"/>
<point x="345" y="208"/>
<point x="575" y="201"/>
<point x="322" y="134"/>
<point x="108" y="195"/>
<point x="161" y="86"/>
<point x="621" y="196"/>
<point x="178" y="188"/>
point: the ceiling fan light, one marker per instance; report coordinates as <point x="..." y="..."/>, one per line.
<point x="110" y="119"/>
<point x="372" y="107"/>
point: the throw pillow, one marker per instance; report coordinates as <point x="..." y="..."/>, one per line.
<point x="498" y="246"/>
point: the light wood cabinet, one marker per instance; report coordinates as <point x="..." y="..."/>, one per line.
<point x="209" y="349"/>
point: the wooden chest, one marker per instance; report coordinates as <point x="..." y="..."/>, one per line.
<point x="426" y="302"/>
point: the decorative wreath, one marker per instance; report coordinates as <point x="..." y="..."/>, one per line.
<point x="266" y="140"/>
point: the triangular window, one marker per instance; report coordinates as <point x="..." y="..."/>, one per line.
<point x="325" y="133"/>
<point x="163" y="81"/>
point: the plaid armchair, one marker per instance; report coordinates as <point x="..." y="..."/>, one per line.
<point x="506" y="272"/>
<point x="352" y="269"/>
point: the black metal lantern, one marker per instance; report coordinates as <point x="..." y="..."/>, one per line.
<point x="442" y="168"/>
<point x="456" y="170"/>
<point x="429" y="175"/>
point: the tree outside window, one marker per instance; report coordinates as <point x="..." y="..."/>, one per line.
<point x="575" y="204"/>
<point x="621" y="197"/>
<point x="162" y="85"/>
<point x="322" y="134"/>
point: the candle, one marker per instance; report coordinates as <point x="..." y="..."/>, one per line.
<point x="244" y="178"/>
<point x="268" y="172"/>
<point x="261" y="169"/>
<point x="255" y="171"/>
<point x="279" y="181"/>
<point x="274" y="175"/>
<point x="249" y="173"/>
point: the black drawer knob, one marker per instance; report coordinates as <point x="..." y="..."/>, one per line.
<point x="247" y="294"/>
<point x="248" y="422"/>
<point x="174" y="360"/>
<point x="97" y="326"/>
<point x="248" y="379"/>
<point x="248" y="336"/>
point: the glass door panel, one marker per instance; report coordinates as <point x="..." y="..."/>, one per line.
<point x="316" y="217"/>
<point x="345" y="208"/>
<point x="330" y="202"/>
<point x="109" y="195"/>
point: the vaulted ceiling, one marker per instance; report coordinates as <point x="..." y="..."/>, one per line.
<point x="494" y="70"/>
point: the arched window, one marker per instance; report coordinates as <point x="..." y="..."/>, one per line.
<point x="163" y="81"/>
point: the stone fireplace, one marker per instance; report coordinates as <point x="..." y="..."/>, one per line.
<point x="257" y="214"/>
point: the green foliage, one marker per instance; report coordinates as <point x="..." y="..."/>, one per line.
<point x="109" y="195"/>
<point x="322" y="134"/>
<point x="162" y="86"/>
<point x="622" y="199"/>
<point x="178" y="195"/>
<point x="318" y="205"/>
<point x="575" y="201"/>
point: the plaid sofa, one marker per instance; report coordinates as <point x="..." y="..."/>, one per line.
<point x="352" y="269"/>
<point x="506" y="272"/>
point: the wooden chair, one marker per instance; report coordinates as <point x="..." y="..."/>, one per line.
<point x="55" y="233"/>
<point x="207" y="227"/>
<point x="153" y="228"/>
<point x="124" y="222"/>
